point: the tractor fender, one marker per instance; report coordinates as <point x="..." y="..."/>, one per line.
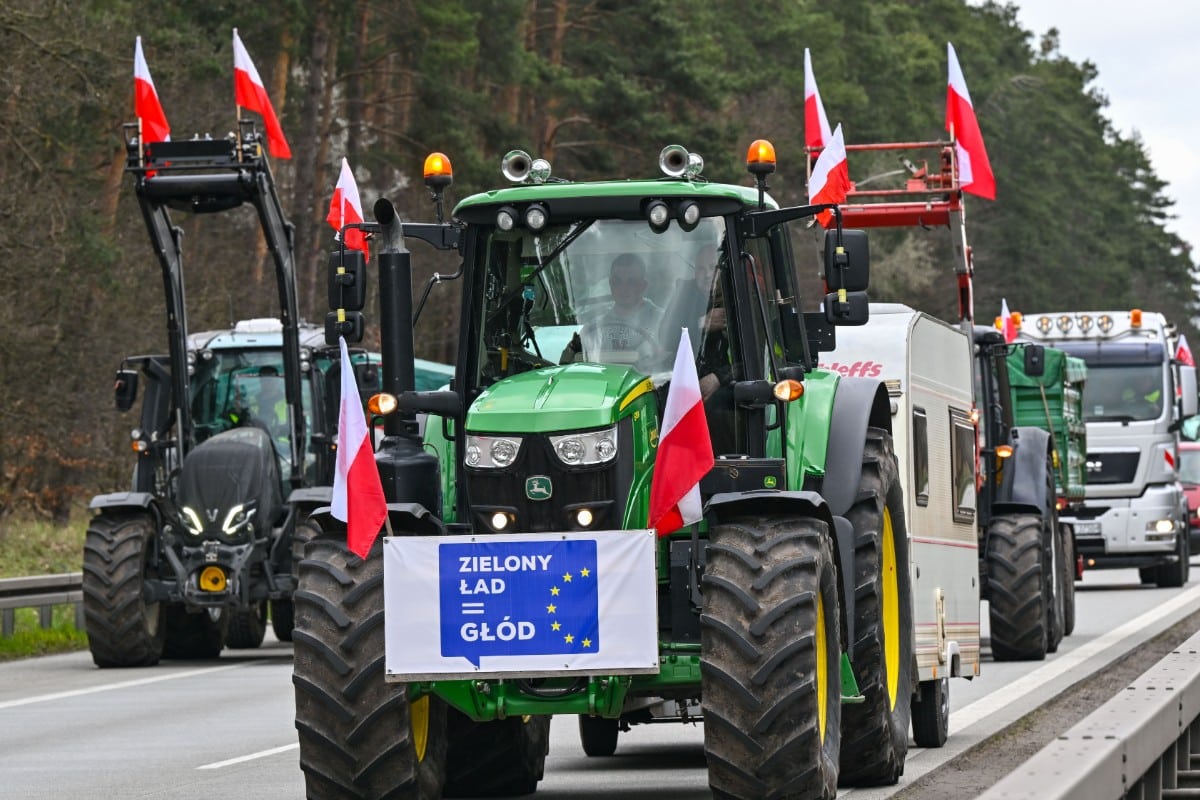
<point x="1024" y="485"/>
<point x="407" y="519"/>
<point x="725" y="505"/>
<point x="312" y="496"/>
<point x="859" y="403"/>
<point x="118" y="500"/>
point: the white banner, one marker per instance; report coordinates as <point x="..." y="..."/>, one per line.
<point x="530" y="604"/>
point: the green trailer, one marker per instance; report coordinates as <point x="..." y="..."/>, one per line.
<point x="1053" y="401"/>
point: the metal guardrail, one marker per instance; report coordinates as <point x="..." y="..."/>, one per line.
<point x="42" y="592"/>
<point x="1143" y="744"/>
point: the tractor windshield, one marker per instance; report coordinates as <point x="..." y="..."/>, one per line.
<point x="601" y="291"/>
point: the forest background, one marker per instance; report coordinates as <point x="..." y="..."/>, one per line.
<point x="597" y="87"/>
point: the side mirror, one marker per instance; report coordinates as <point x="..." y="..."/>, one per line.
<point x="1035" y="360"/>
<point x="1187" y="388"/>
<point x="125" y="388"/>
<point x="849" y="266"/>
<point x="854" y="310"/>
<point x="347" y="286"/>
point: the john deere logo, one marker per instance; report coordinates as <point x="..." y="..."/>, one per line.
<point x="538" y="487"/>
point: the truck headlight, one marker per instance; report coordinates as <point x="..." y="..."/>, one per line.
<point x="492" y="452"/>
<point x="586" y="449"/>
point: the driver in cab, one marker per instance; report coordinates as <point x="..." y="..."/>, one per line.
<point x="627" y="325"/>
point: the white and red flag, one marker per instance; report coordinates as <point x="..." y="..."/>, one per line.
<point x="974" y="169"/>
<point x="146" y="106"/>
<point x="816" y="125"/>
<point x="1183" y="353"/>
<point x="358" y="498"/>
<point x="830" y="179"/>
<point x="1008" y="325"/>
<point x="346" y="209"/>
<point x="685" y="452"/>
<point x="250" y="93"/>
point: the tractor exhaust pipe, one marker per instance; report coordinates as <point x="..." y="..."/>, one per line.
<point x="395" y="313"/>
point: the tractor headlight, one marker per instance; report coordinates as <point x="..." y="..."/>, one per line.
<point x="192" y="523"/>
<point x="586" y="449"/>
<point x="492" y="452"/>
<point x="238" y="519"/>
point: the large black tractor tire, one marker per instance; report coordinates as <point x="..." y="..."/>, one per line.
<point x="123" y="630"/>
<point x="931" y="713"/>
<point x="875" y="732"/>
<point x="1172" y="576"/>
<point x="1068" y="551"/>
<point x="360" y="736"/>
<point x="194" y="636"/>
<point x="502" y="758"/>
<point x="598" y="735"/>
<point x="1017" y="579"/>
<point x="770" y="659"/>
<point x="247" y="628"/>
<point x="283" y="611"/>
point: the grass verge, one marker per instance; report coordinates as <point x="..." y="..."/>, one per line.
<point x="37" y="547"/>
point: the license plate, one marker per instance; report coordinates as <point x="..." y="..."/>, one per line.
<point x="1087" y="529"/>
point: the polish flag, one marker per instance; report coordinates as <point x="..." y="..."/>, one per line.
<point x="830" y="179"/>
<point x="346" y="209"/>
<point x="684" y="449"/>
<point x="816" y="124"/>
<point x="250" y="93"/>
<point x="358" y="497"/>
<point x="145" y="100"/>
<point x="1183" y="353"/>
<point x="1008" y="326"/>
<point x="974" y="169"/>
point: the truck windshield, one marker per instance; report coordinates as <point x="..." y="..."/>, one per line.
<point x="1128" y="393"/>
<point x="599" y="291"/>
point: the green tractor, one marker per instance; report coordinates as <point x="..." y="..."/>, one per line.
<point x="782" y="619"/>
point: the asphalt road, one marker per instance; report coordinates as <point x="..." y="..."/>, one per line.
<point x="224" y="728"/>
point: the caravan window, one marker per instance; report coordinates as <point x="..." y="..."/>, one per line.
<point x="920" y="451"/>
<point x="962" y="455"/>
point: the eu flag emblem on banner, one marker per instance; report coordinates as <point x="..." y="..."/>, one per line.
<point x="509" y="598"/>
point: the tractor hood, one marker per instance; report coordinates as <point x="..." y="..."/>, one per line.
<point x="229" y="485"/>
<point x="571" y="397"/>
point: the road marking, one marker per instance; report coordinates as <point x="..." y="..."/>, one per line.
<point x="251" y="757"/>
<point x="1001" y="698"/>
<point x="108" y="687"/>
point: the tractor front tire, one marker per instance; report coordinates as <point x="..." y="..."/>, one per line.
<point x="247" y="628"/>
<point x="501" y="758"/>
<point x="770" y="658"/>
<point x="360" y="736"/>
<point x="1017" y="581"/>
<point x="123" y="630"/>
<point x="875" y="732"/>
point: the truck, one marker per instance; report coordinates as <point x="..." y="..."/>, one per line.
<point x="520" y="578"/>
<point x="926" y="365"/>
<point x="1021" y="548"/>
<point x="1137" y="396"/>
<point x="200" y="551"/>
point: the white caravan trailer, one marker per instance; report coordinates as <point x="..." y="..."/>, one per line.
<point x="927" y="366"/>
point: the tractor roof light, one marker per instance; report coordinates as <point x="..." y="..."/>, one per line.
<point x="438" y="172"/>
<point x="1135" y="318"/>
<point x="1044" y="325"/>
<point x="536" y="217"/>
<point x="1065" y="323"/>
<point x="1085" y="323"/>
<point x="688" y="213"/>
<point x="658" y="214"/>
<point x="506" y="218"/>
<point x="1104" y="323"/>
<point x="760" y="158"/>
